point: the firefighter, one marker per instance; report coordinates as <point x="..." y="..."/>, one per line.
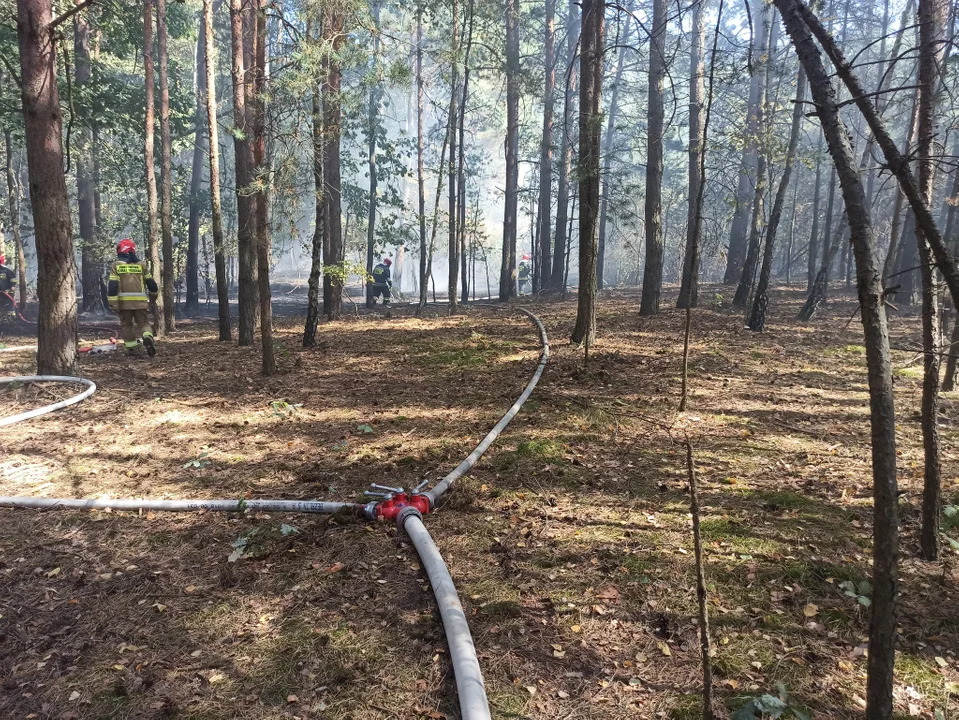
<point x="131" y="290"/>
<point x="382" y="284"/>
<point x="524" y="272"/>
<point x="8" y="282"/>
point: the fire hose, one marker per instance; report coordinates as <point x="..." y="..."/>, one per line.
<point x="396" y="504"/>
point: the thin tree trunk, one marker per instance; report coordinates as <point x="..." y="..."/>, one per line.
<point x="420" y="170"/>
<point x="653" y="273"/>
<point x="689" y="289"/>
<point x="507" y="276"/>
<point x="86" y="200"/>
<point x="13" y="202"/>
<point x="213" y="150"/>
<point x="739" y="228"/>
<point x="461" y="170"/>
<point x="153" y="218"/>
<point x="949" y="235"/>
<point x="53" y="232"/>
<point x="373" y="122"/>
<point x="932" y="15"/>
<point x="608" y="162"/>
<point x="757" y="319"/>
<point x="882" y="630"/>
<point x="316" y="259"/>
<point x="453" y="265"/>
<point x="701" y="593"/>
<point x="895" y="246"/>
<point x="544" y="265"/>
<point x="561" y="250"/>
<point x="334" y="255"/>
<point x="812" y="256"/>
<point x="590" y="136"/>
<point x="748" y="274"/>
<point x="166" y="193"/>
<point x="196" y="179"/>
<point x="263" y="183"/>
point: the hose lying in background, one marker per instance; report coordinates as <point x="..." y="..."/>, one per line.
<point x="91" y="388"/>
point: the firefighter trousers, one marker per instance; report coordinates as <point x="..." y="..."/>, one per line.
<point x="133" y="325"/>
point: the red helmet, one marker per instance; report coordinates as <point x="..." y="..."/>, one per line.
<point x="126" y="246"/>
<point x="387" y="262"/>
<point x="526" y="257"/>
<point x="3" y="260"/>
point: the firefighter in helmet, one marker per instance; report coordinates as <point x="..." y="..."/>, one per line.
<point x="8" y="283"/>
<point x="524" y="273"/>
<point x="131" y="290"/>
<point x="382" y="284"/>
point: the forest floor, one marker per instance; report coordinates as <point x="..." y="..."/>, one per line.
<point x="570" y="542"/>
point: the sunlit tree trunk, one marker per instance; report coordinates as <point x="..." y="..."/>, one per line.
<point x="333" y="256"/>
<point x="689" y="289"/>
<point x="53" y="231"/>
<point x="544" y="265"/>
<point x="561" y="244"/>
<point x="153" y="218"/>
<point x="507" y="277"/>
<point x="653" y="273"/>
<point x="213" y="150"/>
<point x="319" y="228"/>
<point x="590" y="136"/>
<point x="166" y="193"/>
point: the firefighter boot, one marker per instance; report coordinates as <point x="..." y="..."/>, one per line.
<point x="149" y="343"/>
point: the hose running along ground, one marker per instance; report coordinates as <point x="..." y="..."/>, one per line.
<point x="90" y="389"/>
<point x="470" y="687"/>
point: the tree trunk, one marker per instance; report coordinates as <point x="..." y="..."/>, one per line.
<point x="153" y="219"/>
<point x="213" y="149"/>
<point x="895" y="246"/>
<point x="557" y="282"/>
<point x="261" y="174"/>
<point x="882" y="630"/>
<point x="507" y="276"/>
<point x="812" y="255"/>
<point x="461" y="171"/>
<point x="453" y="265"/>
<point x="334" y="255"/>
<point x="53" y="232"/>
<point x="86" y="204"/>
<point x="757" y="318"/>
<point x="748" y="274"/>
<point x="608" y="162"/>
<point x="544" y="264"/>
<point x="817" y="296"/>
<point x="13" y="202"/>
<point x="420" y="170"/>
<point x="689" y="289"/>
<point x="747" y="170"/>
<point x="166" y="193"/>
<point x="653" y="273"/>
<point x="243" y="162"/>
<point x="931" y="35"/>
<point x="373" y="122"/>
<point x="590" y="135"/>
<point x="949" y="235"/>
<point x="316" y="258"/>
<point x="196" y="180"/>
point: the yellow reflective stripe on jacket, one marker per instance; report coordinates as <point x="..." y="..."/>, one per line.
<point x="123" y="268"/>
<point x="132" y="296"/>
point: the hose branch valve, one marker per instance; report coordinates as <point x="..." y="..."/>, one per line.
<point x="393" y="500"/>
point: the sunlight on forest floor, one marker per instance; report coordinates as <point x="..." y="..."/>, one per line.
<point x="570" y="542"/>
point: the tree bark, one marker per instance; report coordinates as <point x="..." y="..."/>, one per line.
<point x="557" y="282"/>
<point x="420" y="169"/>
<point x="243" y="162"/>
<point x="882" y="630"/>
<point x="213" y="149"/>
<point x="453" y="266"/>
<point x="949" y="235"/>
<point x="812" y="255"/>
<point x="689" y="288"/>
<point x="757" y="318"/>
<point x="507" y="276"/>
<point x="153" y="219"/>
<point x="372" y="118"/>
<point x="86" y="194"/>
<point x="748" y="274"/>
<point x="53" y="232"/>
<point x="461" y="171"/>
<point x="739" y="228"/>
<point x="932" y="15"/>
<point x="544" y="264"/>
<point x="196" y="179"/>
<point x="653" y="273"/>
<point x="13" y="202"/>
<point x="319" y="228"/>
<point x="334" y="255"/>
<point x="590" y="136"/>
<point x="166" y="193"/>
<point x="608" y="162"/>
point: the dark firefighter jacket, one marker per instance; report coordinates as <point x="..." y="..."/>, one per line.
<point x="381" y="275"/>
